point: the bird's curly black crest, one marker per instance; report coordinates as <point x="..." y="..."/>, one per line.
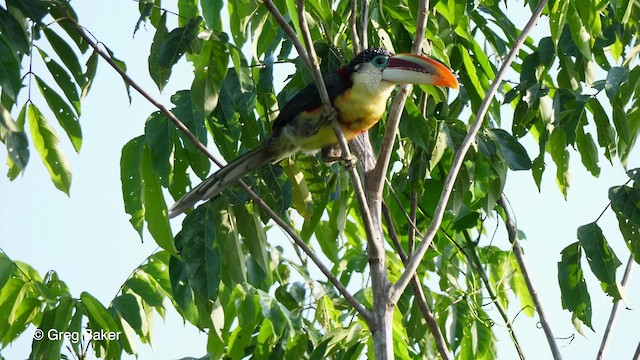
<point x="367" y="55"/>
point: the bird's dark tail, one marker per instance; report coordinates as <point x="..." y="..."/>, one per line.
<point x="224" y="177"/>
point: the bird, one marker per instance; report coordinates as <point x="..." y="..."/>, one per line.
<point x="358" y="91"/>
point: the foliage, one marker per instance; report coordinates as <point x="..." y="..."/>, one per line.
<point x="220" y="272"/>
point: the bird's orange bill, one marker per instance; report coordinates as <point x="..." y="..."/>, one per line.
<point x="417" y="69"/>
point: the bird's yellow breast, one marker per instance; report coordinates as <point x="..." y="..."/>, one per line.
<point x="359" y="108"/>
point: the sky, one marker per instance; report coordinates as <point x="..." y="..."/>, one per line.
<point x="88" y="240"/>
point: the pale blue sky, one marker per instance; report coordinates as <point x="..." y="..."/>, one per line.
<point x="88" y="240"/>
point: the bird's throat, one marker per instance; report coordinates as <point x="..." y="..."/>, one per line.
<point x="360" y="107"/>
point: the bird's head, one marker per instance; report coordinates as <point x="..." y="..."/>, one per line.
<point x="379" y="68"/>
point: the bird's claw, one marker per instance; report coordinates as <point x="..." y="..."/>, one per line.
<point x="349" y="162"/>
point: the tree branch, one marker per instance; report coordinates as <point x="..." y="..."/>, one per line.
<point x="375" y="182"/>
<point x="438" y="215"/>
<point x="476" y="263"/>
<point x="366" y="315"/>
<point x="614" y="312"/>
<point x="512" y="230"/>
<point x="353" y="19"/>
<point x="420" y="298"/>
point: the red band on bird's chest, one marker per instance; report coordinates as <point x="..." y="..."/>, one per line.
<point x="345" y="77"/>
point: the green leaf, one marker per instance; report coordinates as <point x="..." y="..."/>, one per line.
<point x="63" y="79"/>
<point x="588" y="151"/>
<point x="159" y="75"/>
<point x="200" y="253"/>
<point x="120" y="64"/>
<point x="602" y="260"/>
<point x="6" y="269"/>
<point x="46" y="141"/>
<point x="90" y="74"/>
<point x="415" y="127"/>
<point x="131" y="179"/>
<point x="172" y="47"/>
<point x="625" y="201"/>
<point x="606" y="133"/>
<point x="14" y="33"/>
<point x="615" y="77"/>
<point x="66" y="117"/>
<point x="240" y="13"/>
<point x="621" y="122"/>
<point x="631" y="235"/>
<point x="634" y="174"/>
<point x="128" y="306"/>
<point x="557" y="148"/>
<point x="100" y="320"/>
<point x="58" y="319"/>
<point x="254" y="236"/>
<point x="211" y="13"/>
<point x="64" y="14"/>
<point x="159" y="134"/>
<point x="181" y="289"/>
<point x="16" y="140"/>
<point x="579" y="33"/>
<point x="547" y="51"/>
<point x="514" y="153"/>
<point x="34" y="9"/>
<point x="145" y="10"/>
<point x="210" y="70"/>
<point x="10" y="80"/>
<point x="573" y="288"/>
<point x="155" y="208"/>
<point x="66" y="54"/>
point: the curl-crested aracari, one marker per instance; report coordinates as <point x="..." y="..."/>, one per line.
<point x="359" y="94"/>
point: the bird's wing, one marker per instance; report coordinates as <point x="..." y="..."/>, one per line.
<point x="309" y="99"/>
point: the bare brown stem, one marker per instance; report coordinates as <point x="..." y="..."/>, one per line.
<point x="420" y="298"/>
<point x="512" y="230"/>
<point x="614" y="312"/>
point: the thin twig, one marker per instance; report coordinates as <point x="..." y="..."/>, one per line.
<point x="375" y="247"/>
<point x="379" y="173"/>
<point x="512" y="230"/>
<point x="476" y="263"/>
<point x="420" y="298"/>
<point x="364" y="23"/>
<point x="614" y="311"/>
<point x="412" y="222"/>
<point x="438" y="215"/>
<point x="257" y="200"/>
<point x="354" y="29"/>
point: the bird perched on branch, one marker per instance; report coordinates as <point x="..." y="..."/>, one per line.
<point x="359" y="94"/>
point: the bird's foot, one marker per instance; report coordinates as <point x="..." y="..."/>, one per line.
<point x="349" y="162"/>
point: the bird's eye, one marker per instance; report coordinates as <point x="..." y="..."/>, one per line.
<point x="380" y="61"/>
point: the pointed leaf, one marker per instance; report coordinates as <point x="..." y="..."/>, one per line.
<point x="131" y="179"/>
<point x="66" y="54"/>
<point x="602" y="260"/>
<point x="62" y="111"/>
<point x="63" y="79"/>
<point x="172" y="47"/>
<point x="46" y="142"/>
<point x="10" y="80"/>
<point x="615" y="77"/>
<point x="155" y="208"/>
<point x="514" y="153"/>
<point x="573" y="287"/>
